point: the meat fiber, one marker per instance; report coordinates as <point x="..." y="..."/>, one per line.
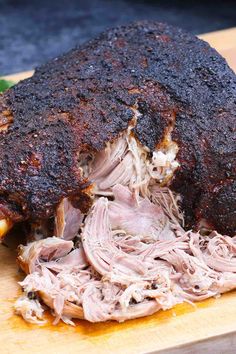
<point x="67" y="220"/>
<point x="167" y="85"/>
<point x="119" y="274"/>
<point x="131" y="256"/>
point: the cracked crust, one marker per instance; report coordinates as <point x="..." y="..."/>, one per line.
<point x="81" y="100"/>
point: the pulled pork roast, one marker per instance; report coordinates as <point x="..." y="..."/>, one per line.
<point x="161" y="82"/>
<point x="129" y="255"/>
<point x="119" y="159"/>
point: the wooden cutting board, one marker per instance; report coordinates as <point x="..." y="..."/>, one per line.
<point x="209" y="327"/>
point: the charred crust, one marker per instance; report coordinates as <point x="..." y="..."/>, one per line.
<point x="83" y="200"/>
<point x="82" y="100"/>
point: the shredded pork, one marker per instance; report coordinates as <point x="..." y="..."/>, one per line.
<point x="68" y="220"/>
<point x="130" y="256"/>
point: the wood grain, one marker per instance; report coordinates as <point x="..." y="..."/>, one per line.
<point x="208" y="327"/>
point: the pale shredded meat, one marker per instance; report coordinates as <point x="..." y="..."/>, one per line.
<point x="67" y="220"/>
<point x="130" y="256"/>
<point x="122" y="162"/>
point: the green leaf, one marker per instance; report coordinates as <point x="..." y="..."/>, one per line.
<point x="5" y="84"/>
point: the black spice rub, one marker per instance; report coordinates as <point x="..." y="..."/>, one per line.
<point x="83" y="99"/>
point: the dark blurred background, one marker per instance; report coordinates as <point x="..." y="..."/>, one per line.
<point x="31" y="31"/>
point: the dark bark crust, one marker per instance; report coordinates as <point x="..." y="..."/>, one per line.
<point x="83" y="99"/>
